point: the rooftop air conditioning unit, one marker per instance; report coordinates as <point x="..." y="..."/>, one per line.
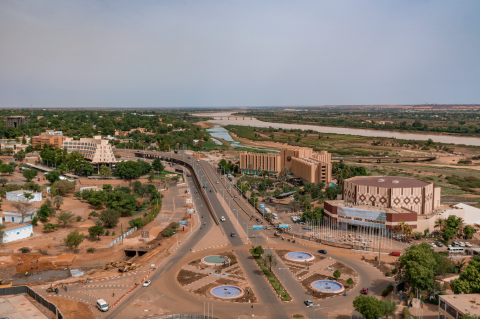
<point x="395" y="182"/>
<point x="381" y="180"/>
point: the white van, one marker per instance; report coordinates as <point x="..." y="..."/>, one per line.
<point x="455" y="250"/>
<point x="102" y="305"/>
<point x="275" y="216"/>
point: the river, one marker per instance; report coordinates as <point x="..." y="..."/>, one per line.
<point x="342" y="130"/>
<point x="220" y="132"/>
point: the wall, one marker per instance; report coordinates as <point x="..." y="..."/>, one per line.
<point x="18" y="233"/>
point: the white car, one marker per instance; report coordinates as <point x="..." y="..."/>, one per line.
<point x="467" y="244"/>
<point x="461" y="244"/>
<point x="433" y="246"/>
<point x="222" y="219"/>
<point x="147" y="283"/>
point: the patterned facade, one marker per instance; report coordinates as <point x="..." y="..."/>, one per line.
<point x="96" y="150"/>
<point x="301" y="161"/>
<point x="54" y="138"/>
<point x="16" y="121"/>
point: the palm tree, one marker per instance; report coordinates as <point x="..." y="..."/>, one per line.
<point x="409" y="231"/>
<point x="460" y="264"/>
<point x="270" y="261"/>
<point x="401" y="227"/>
<point x="440" y="224"/>
<point x="250" y="167"/>
<point x="390" y="308"/>
<point x="294" y="205"/>
<point x="284" y="173"/>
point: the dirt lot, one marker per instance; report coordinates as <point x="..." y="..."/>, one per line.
<point x="71" y="308"/>
<point x="186" y="277"/>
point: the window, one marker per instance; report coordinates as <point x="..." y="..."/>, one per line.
<point x="13" y="219"/>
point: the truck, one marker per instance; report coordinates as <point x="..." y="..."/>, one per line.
<point x="102" y="305"/>
<point x="129" y="266"/>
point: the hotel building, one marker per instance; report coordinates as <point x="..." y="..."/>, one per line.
<point x="54" y="138"/>
<point x="97" y="150"/>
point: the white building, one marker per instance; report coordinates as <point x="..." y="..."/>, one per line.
<point x="96" y="150"/>
<point x="16" y="196"/>
<point x="14" y="217"/>
<point x="15" y="232"/>
<point x="472" y="214"/>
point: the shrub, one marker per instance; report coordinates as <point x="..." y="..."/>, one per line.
<point x="77" y="194"/>
<point x="93" y="214"/>
<point x="168" y="233"/>
<point x="336" y="274"/>
<point x="35" y="221"/>
<point x="113" y="233"/>
<point x="79" y="218"/>
<point x="406" y="313"/>
<point x="110" y="217"/>
<point x="350" y="281"/>
<point x="25" y="250"/>
<point x="376" y="258"/>
<point x="387" y="290"/>
<point x="363" y="257"/>
<point x="91" y="250"/>
<point x="107" y="233"/>
<point x="394" y="271"/>
<point x="175" y="225"/>
<point x="137" y="222"/>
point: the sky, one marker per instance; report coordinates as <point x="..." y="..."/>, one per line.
<point x="231" y="53"/>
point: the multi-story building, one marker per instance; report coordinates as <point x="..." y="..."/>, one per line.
<point x="457" y="306"/>
<point x="54" y="138"/>
<point x="16" y="121"/>
<point x="96" y="150"/>
<point x="301" y="161"/>
<point x="383" y="202"/>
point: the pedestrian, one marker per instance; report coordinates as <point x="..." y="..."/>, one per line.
<point x="65" y="288"/>
<point x="56" y="291"/>
<point x="31" y="268"/>
<point x="37" y="267"/>
<point x="113" y="294"/>
<point x="37" y="261"/>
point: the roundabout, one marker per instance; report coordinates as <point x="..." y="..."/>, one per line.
<point x="299" y="256"/>
<point x="327" y="286"/>
<point x="227" y="292"/>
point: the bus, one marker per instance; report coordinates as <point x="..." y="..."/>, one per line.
<point x="455" y="250"/>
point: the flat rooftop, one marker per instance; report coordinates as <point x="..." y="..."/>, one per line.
<point x="387" y="181"/>
<point x="10" y="226"/>
<point x="19" y="307"/>
<point x="469" y="303"/>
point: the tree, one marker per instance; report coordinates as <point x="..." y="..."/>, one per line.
<point x="44" y="212"/>
<point x="58" y="201"/>
<point x="49" y="227"/>
<point x="2" y="232"/>
<point x="277" y="192"/>
<point x="74" y="239"/>
<point x="129" y="169"/>
<point x="294" y="205"/>
<point x="468" y="231"/>
<point x="66" y="218"/>
<point x="270" y="261"/>
<point x="283" y="173"/>
<point x="336" y="274"/>
<point x="390" y="307"/>
<point x="24" y="207"/>
<point x="97" y="198"/>
<point x="52" y="176"/>
<point x="369" y="307"/>
<point x="137" y="222"/>
<point x="19" y="156"/>
<point x="3" y="181"/>
<point x="151" y="176"/>
<point x="95" y="231"/>
<point x="105" y="171"/>
<point x="6" y="169"/>
<point x="110" y="217"/>
<point x="417" y="266"/>
<point x="107" y="187"/>
<point x="440" y="223"/>
<point x="157" y="165"/>
<point x="258" y="250"/>
<point x="448" y="233"/>
<point x="121" y="202"/>
<point x="62" y="188"/>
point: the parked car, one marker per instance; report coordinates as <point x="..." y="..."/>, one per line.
<point x="258" y="220"/>
<point x="307" y="227"/>
<point x="222" y="219"/>
<point x="322" y="251"/>
<point x="468" y="244"/>
<point x="364" y="291"/>
<point x="439" y="244"/>
<point x="233" y="235"/>
<point x="147" y="283"/>
<point x="395" y="253"/>
<point x="308" y="303"/>
<point x="235" y="196"/>
<point x="211" y="191"/>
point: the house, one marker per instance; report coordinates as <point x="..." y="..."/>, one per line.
<point x="14" y="217"/>
<point x="16" y="196"/>
<point x="13" y="232"/>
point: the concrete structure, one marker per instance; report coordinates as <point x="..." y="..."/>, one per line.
<point x="455" y="306"/>
<point x="16" y="121"/>
<point x="301" y="161"/>
<point x="54" y="138"/>
<point x="472" y="214"/>
<point x="12" y="146"/>
<point x="16" y="196"/>
<point x="15" y="232"/>
<point x="14" y="217"/>
<point x="381" y="202"/>
<point x="97" y="150"/>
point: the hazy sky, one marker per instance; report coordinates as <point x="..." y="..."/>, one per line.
<point x="238" y="53"/>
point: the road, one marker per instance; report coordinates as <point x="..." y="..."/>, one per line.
<point x="172" y="296"/>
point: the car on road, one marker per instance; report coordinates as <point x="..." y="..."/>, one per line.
<point x="277" y="234"/>
<point x="258" y="220"/>
<point x="266" y="227"/>
<point x="301" y="223"/>
<point x="222" y="218"/>
<point x="322" y="251"/>
<point x="147" y="283"/>
<point x="211" y="191"/>
<point x="308" y="303"/>
<point x="196" y="192"/>
<point x="233" y="235"/>
<point x="235" y="196"/>
<point x="364" y="291"/>
<point x="216" y="182"/>
<point x="307" y="227"/>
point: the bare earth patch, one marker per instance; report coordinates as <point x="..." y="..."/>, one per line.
<point x="186" y="277"/>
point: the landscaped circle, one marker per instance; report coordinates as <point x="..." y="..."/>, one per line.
<point x="299" y="256"/>
<point x="227" y="292"/>
<point x="214" y="260"/>
<point x="327" y="286"/>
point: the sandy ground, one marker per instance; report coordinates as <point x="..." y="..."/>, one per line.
<point x="71" y="308"/>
